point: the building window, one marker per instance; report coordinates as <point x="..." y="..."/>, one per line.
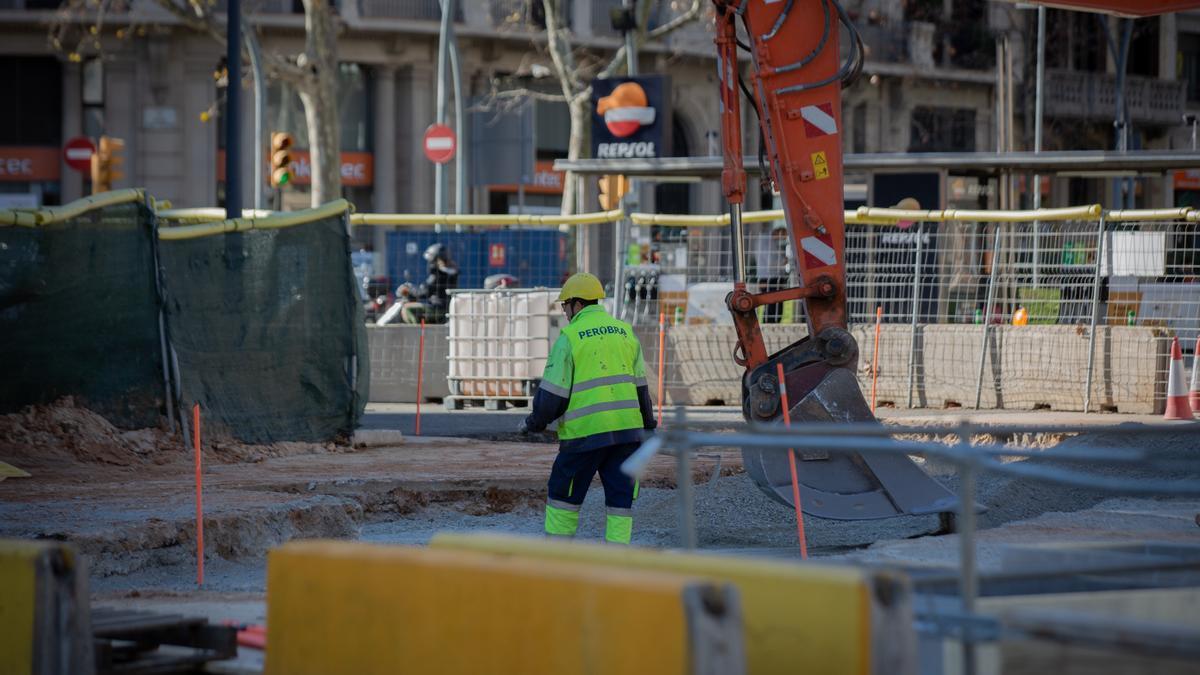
<point x="285" y="112"/>
<point x="1078" y="40"/>
<point x="942" y="130"/>
<point x="1143" y="47"/>
<point x="858" y="126"/>
<point x="1188" y="64"/>
<point x="36" y="82"/>
<point x="553" y="133"/>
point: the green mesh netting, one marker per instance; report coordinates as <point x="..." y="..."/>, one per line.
<point x="79" y="315"/>
<point x="267" y="331"/>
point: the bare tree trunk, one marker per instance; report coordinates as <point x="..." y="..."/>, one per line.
<point x="320" y="101"/>
<point x="580" y="108"/>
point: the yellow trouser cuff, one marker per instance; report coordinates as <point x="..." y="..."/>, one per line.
<point x="561" y="522"/>
<point x="618" y="529"/>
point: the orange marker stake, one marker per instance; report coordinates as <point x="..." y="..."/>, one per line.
<point x="199" y="498"/>
<point x="662" y="332"/>
<point x="875" y="357"/>
<point x="787" y="422"/>
<point x="420" y="374"/>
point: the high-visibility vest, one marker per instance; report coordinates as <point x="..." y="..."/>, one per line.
<point x="608" y="369"/>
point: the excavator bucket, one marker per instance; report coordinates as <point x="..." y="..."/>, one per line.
<point x="840" y="485"/>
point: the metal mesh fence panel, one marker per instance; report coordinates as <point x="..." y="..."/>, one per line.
<point x="995" y="313"/>
<point x="1150" y="278"/>
<point x="79" y="314"/>
<point x="267" y="330"/>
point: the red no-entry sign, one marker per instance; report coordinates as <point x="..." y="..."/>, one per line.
<point x="78" y="152"/>
<point x="439" y="143"/>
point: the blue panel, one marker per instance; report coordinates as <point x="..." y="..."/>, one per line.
<point x="535" y="257"/>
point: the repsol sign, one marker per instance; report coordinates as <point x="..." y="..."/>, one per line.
<point x="629" y="117"/>
<point x="612" y="150"/>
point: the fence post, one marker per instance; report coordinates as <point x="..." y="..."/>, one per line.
<point x="916" y="303"/>
<point x="581" y="231"/>
<point x="618" y="269"/>
<point x="987" y="314"/>
<point x="1091" y="367"/>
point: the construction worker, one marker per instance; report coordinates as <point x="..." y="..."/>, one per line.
<point x="595" y="385"/>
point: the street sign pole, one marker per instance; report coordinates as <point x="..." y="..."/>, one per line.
<point x="233" y="110"/>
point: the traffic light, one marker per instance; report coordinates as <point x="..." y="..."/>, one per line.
<point x="612" y="188"/>
<point x="281" y="158"/>
<point x="106" y="164"/>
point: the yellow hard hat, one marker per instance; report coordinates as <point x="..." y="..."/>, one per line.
<point x="583" y="286"/>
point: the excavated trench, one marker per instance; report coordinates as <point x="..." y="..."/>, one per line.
<point x="132" y="513"/>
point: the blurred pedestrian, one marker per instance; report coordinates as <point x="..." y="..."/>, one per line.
<point x="431" y="300"/>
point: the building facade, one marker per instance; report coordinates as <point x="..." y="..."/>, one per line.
<point x="930" y="84"/>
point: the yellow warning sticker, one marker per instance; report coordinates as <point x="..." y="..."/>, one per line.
<point x="820" y="166"/>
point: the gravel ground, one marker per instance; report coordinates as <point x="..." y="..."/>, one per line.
<point x="732" y="514"/>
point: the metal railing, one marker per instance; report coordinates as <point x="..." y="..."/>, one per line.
<point x="1071" y="309"/>
<point x="966" y="624"/>
<point x="1071" y="93"/>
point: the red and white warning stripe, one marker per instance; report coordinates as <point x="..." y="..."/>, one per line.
<point x="821" y="251"/>
<point x="818" y="120"/>
<point x="1177" y="395"/>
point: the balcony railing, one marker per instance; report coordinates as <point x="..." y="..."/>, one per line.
<point x="1093" y="96"/>
<point x="420" y="10"/>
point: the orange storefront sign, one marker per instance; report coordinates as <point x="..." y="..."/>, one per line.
<point x="545" y="181"/>
<point x="358" y="168"/>
<point x="26" y="163"/>
<point x="1186" y="179"/>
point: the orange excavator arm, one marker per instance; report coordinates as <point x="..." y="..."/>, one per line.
<point x="795" y="88"/>
<point x="796" y="85"/>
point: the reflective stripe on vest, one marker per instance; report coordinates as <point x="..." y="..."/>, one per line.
<point x="604" y="387"/>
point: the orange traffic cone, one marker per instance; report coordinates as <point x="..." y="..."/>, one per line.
<point x="1177" y="396"/>
<point x="1194" y="394"/>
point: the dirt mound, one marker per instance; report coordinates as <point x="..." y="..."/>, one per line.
<point x="64" y="432"/>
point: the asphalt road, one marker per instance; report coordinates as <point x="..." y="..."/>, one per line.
<point x="500" y="425"/>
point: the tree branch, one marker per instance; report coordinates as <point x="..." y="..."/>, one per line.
<point x="286" y="70"/>
<point x="678" y="22"/>
<point x="529" y="93"/>
<point x="195" y="15"/>
<point x="559" y="45"/>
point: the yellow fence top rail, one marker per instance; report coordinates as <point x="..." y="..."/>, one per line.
<point x="419" y="219"/>
<point x="55" y="214"/>
<point x="208" y="214"/>
<point x="1181" y="213"/>
<point x="273" y="222"/>
<point x="1088" y="212"/>
<point x="670" y="220"/>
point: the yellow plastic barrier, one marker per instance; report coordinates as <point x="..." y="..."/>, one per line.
<point x="279" y="220"/>
<point x="342" y="607"/>
<point x="54" y="214"/>
<point x="807" y="618"/>
<point x="43" y="610"/>
<point x="207" y="215"/>
<point x="423" y="219"/>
